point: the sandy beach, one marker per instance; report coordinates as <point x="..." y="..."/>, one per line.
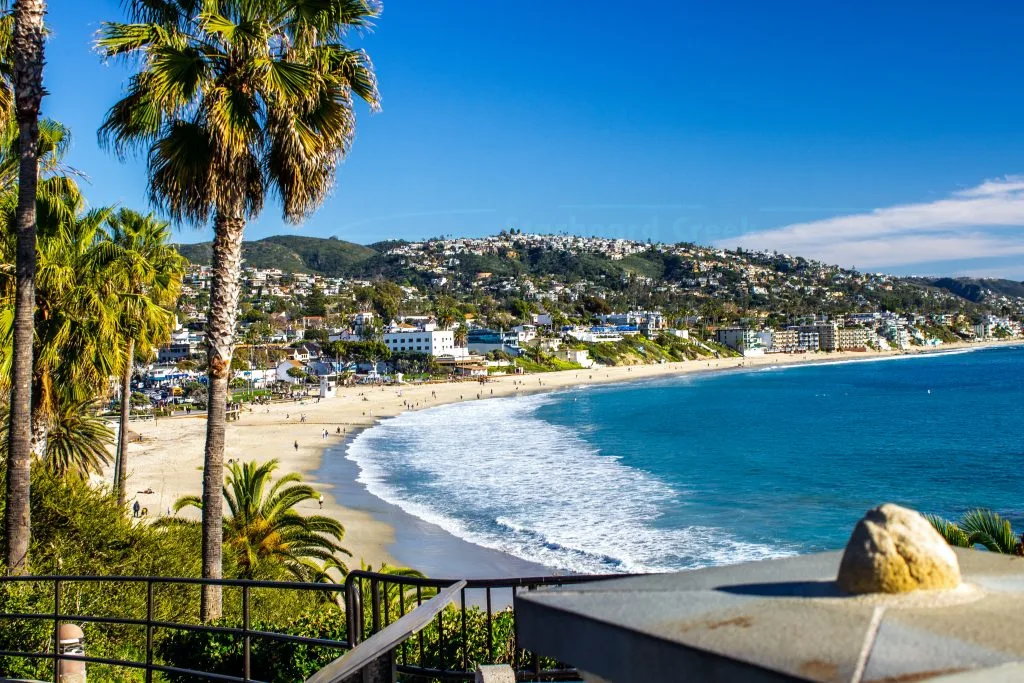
<point x="169" y="459"/>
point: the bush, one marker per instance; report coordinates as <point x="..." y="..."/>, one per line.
<point x="269" y="660"/>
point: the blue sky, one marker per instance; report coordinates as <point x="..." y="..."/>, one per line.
<point x="881" y="135"/>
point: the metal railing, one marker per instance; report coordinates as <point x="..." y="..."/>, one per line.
<point x="151" y="624"/>
<point x="488" y="603"/>
<point x="479" y="630"/>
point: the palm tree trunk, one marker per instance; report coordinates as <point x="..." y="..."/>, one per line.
<point x="120" y="463"/>
<point x="220" y="336"/>
<point x="28" y="90"/>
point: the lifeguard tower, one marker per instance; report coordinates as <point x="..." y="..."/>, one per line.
<point x="328" y="386"/>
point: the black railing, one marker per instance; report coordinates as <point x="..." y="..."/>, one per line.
<point x="479" y="630"/>
<point x="457" y="644"/>
<point x="151" y="623"/>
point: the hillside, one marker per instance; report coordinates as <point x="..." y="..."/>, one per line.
<point x="977" y="289"/>
<point x="332" y="257"/>
<point x="293" y="254"/>
<point x="513" y="264"/>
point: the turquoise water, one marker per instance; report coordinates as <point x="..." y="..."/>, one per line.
<point x="709" y="469"/>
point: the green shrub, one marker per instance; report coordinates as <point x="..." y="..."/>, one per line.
<point x="270" y="660"/>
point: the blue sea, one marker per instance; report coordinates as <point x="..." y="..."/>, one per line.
<point x="709" y="469"/>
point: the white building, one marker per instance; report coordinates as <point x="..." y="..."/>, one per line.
<point x="433" y="342"/>
<point x="284" y="366"/>
<point x="525" y="333"/>
<point x="578" y="356"/>
<point x="741" y="339"/>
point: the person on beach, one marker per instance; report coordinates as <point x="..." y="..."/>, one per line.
<point x="321" y="501"/>
<point x="339" y="430"/>
<point x="135" y="509"/>
<point x="296" y="444"/>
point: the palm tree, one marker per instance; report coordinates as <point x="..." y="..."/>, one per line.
<point x="77" y="441"/>
<point x="461" y="335"/>
<point x="148" y="271"/>
<point x="76" y="314"/>
<point x="980" y="527"/>
<point x="234" y="100"/>
<point x="267" y="537"/>
<point x="27" y="77"/>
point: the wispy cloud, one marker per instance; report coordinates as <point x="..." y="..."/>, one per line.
<point x="986" y="221"/>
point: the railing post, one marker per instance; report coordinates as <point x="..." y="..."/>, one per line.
<point x="149" y="630"/>
<point x="247" y="675"/>
<point x="350" y="611"/>
<point x="375" y="597"/>
<point x="56" y="630"/>
<point x="465" y="636"/>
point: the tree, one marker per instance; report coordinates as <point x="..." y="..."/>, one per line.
<point x="446" y="312"/>
<point x="315" y="303"/>
<point x="77" y="442"/>
<point x="27" y="44"/>
<point x="267" y="536"/>
<point x="980" y="527"/>
<point x="316" y="334"/>
<point x="234" y="100"/>
<point x="148" y="272"/>
<point x="76" y="303"/>
<point x="461" y="335"/>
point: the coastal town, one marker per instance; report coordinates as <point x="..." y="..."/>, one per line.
<point x="549" y="302"/>
<point x="450" y="343"/>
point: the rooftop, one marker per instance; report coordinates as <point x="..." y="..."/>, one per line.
<point x="781" y="620"/>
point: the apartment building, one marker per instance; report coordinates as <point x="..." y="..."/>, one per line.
<point x="827" y="333"/>
<point x="852" y="338"/>
<point x="738" y="338"/>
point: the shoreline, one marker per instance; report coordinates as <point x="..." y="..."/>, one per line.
<point x="169" y="460"/>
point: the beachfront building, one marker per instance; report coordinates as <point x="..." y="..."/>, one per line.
<point x="257" y="379"/>
<point x="807" y="339"/>
<point x="852" y="338"/>
<point x="898" y="335"/>
<point x="828" y="335"/>
<point x="646" y="322"/>
<point x="602" y="334"/>
<point x="785" y="341"/>
<point x="580" y="357"/>
<point x="742" y="339"/>
<point x="417" y="340"/>
<point x="484" y="341"/>
<point x="466" y="366"/>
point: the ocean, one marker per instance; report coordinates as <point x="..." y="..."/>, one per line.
<point x="713" y="468"/>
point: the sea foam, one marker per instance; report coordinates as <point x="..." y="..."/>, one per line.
<point x="494" y="473"/>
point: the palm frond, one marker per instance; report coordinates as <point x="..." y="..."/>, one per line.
<point x="988" y="529"/>
<point x="952" y="533"/>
